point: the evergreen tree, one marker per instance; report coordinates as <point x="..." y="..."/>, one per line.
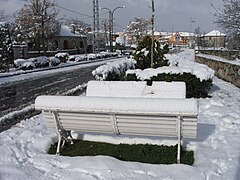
<point x="6" y="51"/>
<point x="143" y="54"/>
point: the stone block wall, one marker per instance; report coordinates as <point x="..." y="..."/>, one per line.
<point x="229" y="72"/>
<point x="231" y="55"/>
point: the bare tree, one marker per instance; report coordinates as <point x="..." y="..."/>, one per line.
<point x="37" y="20"/>
<point x="229" y="16"/>
<point x="229" y="19"/>
<point x="137" y="28"/>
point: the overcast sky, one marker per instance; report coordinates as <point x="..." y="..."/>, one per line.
<point x="170" y="14"/>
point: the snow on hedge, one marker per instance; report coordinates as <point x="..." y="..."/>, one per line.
<point x="61" y="55"/>
<point x="179" y="64"/>
<point x="117" y="67"/>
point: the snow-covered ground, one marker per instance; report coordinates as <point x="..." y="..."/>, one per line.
<point x="217" y="148"/>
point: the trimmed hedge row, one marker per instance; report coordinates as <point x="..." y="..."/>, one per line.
<point x="194" y="87"/>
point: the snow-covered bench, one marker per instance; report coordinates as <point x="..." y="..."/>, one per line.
<point x="159" y="89"/>
<point x="175" y="117"/>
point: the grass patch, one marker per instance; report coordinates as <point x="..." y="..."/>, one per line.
<point x="144" y="153"/>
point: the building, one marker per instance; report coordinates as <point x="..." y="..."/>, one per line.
<point x="69" y="39"/>
<point x="215" y="39"/>
<point x="181" y="38"/>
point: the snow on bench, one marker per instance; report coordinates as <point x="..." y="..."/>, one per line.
<point x="159" y="89"/>
<point x="167" y="117"/>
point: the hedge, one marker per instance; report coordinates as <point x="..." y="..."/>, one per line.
<point x="195" y="88"/>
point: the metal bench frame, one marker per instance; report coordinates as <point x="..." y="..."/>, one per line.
<point x="56" y="118"/>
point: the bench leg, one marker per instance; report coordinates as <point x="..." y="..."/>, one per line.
<point x="179" y="139"/>
<point x="62" y="133"/>
<point x="59" y="143"/>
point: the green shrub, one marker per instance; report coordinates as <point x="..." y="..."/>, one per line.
<point x="194" y="86"/>
<point x="143" y="54"/>
<point x="144" y="153"/>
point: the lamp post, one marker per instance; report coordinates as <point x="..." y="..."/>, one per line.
<point x="152" y="45"/>
<point x="111" y="13"/>
<point x="192" y="20"/>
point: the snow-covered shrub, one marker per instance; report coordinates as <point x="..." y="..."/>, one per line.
<point x="111" y="71"/>
<point x="40" y="62"/>
<point x="62" y="56"/>
<point x="19" y="62"/>
<point x="198" y="81"/>
<point x="71" y="58"/>
<point x="27" y="65"/>
<point x="106" y="54"/>
<point x="54" y="61"/>
<point x="80" y="58"/>
<point x="143" y="54"/>
<point x="91" y="56"/>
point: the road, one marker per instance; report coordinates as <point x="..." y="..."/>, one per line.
<point x="21" y="94"/>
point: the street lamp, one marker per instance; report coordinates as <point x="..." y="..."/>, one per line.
<point x="192" y="20"/>
<point x="111" y="13"/>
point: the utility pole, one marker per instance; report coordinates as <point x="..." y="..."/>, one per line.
<point x="95" y="24"/>
<point x="153" y="20"/>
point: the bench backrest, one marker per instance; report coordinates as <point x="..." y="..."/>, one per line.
<point x="148" y="116"/>
<point x="116" y="88"/>
<point x="159" y="89"/>
<point x="163" y="89"/>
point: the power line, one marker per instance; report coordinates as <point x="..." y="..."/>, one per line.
<point x="74" y="11"/>
<point x="87" y="16"/>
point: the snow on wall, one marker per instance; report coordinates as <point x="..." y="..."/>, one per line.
<point x="117" y="67"/>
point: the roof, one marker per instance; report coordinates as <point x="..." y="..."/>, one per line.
<point x="66" y="31"/>
<point x="215" y="33"/>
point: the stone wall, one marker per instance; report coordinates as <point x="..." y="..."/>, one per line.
<point x="222" y="53"/>
<point x="227" y="71"/>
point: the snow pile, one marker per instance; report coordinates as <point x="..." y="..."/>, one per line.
<point x="117" y="67"/>
<point x="179" y="64"/>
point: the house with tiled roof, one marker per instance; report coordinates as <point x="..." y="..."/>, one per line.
<point x="215" y="39"/>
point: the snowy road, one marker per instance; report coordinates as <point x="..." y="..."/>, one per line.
<point x="19" y="92"/>
<point x="19" y="95"/>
